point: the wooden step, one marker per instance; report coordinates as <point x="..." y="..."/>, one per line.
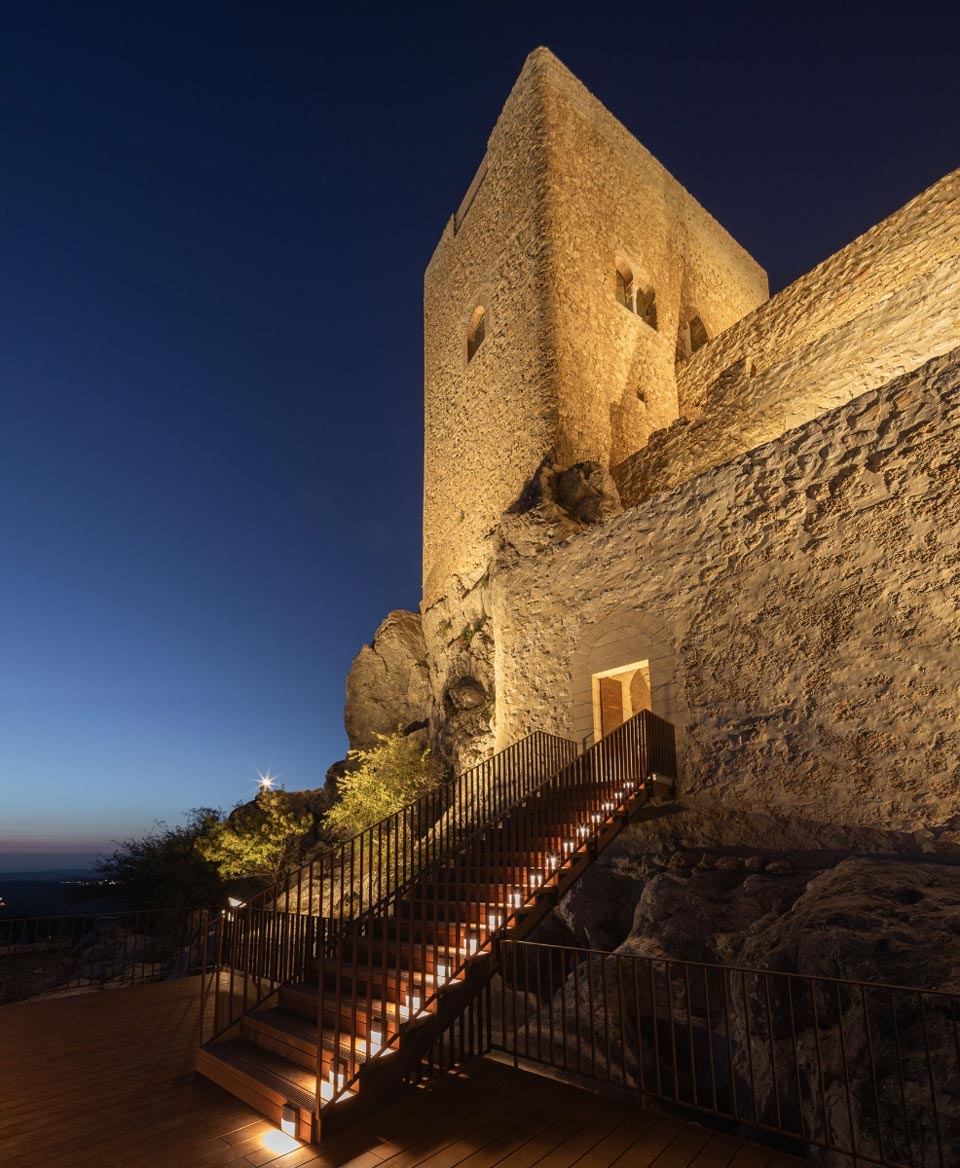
<point x="263" y="1080"/>
<point x="291" y="1036"/>
<point x="301" y="998"/>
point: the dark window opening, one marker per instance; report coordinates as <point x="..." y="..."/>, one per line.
<point x="478" y="331"/>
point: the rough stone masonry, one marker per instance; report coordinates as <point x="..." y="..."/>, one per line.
<point x="646" y="459"/>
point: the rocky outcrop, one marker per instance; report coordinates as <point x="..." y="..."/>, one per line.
<point x="695" y="887"/>
<point x="388" y="684"/>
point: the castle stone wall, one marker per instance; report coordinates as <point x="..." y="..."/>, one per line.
<point x="609" y="199"/>
<point x="799" y="609"/>
<point x="487" y="423"/>
<point x="879" y="307"/>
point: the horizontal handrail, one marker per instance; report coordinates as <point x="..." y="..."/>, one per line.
<point x="44" y="954"/>
<point x="262" y="946"/>
<point x="343" y="881"/>
<point x="814" y="1063"/>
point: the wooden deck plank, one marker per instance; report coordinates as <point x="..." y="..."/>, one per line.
<point x="751" y="1156"/>
<point x="717" y="1152"/>
<point x="587" y="1111"/>
<point x="111" y="1076"/>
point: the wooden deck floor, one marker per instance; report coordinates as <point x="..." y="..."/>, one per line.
<point x="106" y="1080"/>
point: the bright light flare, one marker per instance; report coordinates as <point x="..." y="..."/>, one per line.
<point x="278" y="1143"/>
<point x="266" y="781"/>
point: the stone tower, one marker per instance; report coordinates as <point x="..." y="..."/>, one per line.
<point x="572" y="280"/>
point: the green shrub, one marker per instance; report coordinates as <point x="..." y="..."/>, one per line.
<point x="163" y="868"/>
<point x="385" y="777"/>
<point x="261" y="838"/>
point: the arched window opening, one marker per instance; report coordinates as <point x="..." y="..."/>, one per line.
<point x="476" y="332"/>
<point x="646" y="306"/>
<point x="691" y="335"/>
<point x="625" y="286"/>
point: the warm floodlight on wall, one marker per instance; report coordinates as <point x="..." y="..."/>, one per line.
<point x="288" y="1120"/>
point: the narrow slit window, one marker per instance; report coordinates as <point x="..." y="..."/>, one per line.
<point x="646" y="307"/>
<point x="476" y="332"/>
<point x="698" y="334"/>
<point x="625" y="287"/>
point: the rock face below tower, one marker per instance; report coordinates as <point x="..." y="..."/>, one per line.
<point x="388" y="686"/>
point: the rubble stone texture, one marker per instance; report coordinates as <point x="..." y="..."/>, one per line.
<point x="798" y="607"/>
<point x="787" y="565"/>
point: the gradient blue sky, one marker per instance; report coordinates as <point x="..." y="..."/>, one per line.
<point x="214" y="220"/>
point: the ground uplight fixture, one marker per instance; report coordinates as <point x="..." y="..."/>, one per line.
<point x="288" y="1120"/>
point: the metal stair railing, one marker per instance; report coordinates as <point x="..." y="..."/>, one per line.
<point x="272" y="938"/>
<point x="603" y="782"/>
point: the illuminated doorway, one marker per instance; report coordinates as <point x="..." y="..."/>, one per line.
<point x="618" y="694"/>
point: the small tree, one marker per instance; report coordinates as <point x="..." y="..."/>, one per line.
<point x="384" y="777"/>
<point x="163" y="869"/>
<point x="257" y="839"/>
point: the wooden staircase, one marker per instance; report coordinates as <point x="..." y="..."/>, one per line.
<point x="333" y="988"/>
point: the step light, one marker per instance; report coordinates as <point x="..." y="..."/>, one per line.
<point x="337" y="1076"/>
<point x="288" y="1120"/>
<point x="375" y="1041"/>
<point x="493" y="922"/>
<point x="516" y="899"/>
<point x="552" y="863"/>
<point x="568" y="846"/>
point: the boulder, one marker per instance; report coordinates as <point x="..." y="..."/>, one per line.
<point x="388" y="684"/>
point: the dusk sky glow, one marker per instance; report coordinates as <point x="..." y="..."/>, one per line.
<point x="214" y="221"/>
